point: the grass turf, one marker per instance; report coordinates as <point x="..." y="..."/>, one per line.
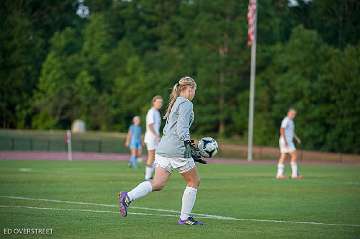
<point x="329" y="194"/>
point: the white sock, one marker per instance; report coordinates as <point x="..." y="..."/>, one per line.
<point x="188" y="201"/>
<point x="294" y="169"/>
<point x="148" y="172"/>
<point x="280" y="170"/>
<point x="140" y="191"/>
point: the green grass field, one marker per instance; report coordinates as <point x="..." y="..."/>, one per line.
<point x="329" y="194"/>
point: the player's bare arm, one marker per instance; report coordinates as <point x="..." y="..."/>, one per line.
<point x="152" y="130"/>
<point x="127" y="140"/>
<point x="282" y="133"/>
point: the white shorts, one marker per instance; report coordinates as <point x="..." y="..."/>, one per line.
<point x="181" y="165"/>
<point x="286" y="149"/>
<point x="151" y="144"/>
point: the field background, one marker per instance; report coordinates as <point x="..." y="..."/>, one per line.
<point x="329" y="194"/>
<point x="112" y="142"/>
<point x="37" y="140"/>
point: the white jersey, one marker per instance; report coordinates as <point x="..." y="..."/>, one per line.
<point x="289" y="127"/>
<point x="152" y="117"/>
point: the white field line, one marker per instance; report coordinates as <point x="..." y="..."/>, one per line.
<point x="110" y="205"/>
<point x="209" y="216"/>
<point x="84" y="210"/>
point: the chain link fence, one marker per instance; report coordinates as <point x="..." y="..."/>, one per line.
<point x="58" y="145"/>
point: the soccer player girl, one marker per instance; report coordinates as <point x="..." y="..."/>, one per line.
<point x="287" y="146"/>
<point x="152" y="134"/>
<point x="134" y="142"/>
<point x="173" y="153"/>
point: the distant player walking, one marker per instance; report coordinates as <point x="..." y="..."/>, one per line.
<point x="173" y="153"/>
<point x="152" y="134"/>
<point x="134" y="142"/>
<point x="287" y="146"/>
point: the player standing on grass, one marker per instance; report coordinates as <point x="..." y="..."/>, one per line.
<point x="173" y="152"/>
<point x="287" y="146"/>
<point x="152" y="134"/>
<point x="134" y="142"/>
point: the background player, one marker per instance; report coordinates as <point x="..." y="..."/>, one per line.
<point x="152" y="134"/>
<point x="134" y="142"/>
<point x="174" y="152"/>
<point x="287" y="146"/>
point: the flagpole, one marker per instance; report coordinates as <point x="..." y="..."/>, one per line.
<point x="252" y="90"/>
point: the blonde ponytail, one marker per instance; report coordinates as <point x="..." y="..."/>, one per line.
<point x="178" y="87"/>
<point x="174" y="94"/>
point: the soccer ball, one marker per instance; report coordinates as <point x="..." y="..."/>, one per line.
<point x="208" y="147"/>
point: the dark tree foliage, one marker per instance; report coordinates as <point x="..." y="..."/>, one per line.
<point x="56" y="67"/>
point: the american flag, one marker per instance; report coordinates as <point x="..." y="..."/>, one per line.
<point x="251" y="16"/>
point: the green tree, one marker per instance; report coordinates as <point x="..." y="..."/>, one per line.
<point x="20" y="49"/>
<point x="54" y="94"/>
<point x="130" y="90"/>
<point x="53" y="100"/>
<point x="342" y="83"/>
<point x="56" y="67"/>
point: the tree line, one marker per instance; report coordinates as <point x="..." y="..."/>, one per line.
<point x="56" y="67"/>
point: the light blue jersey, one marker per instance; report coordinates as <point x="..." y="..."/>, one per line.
<point x="289" y="126"/>
<point x="135" y="140"/>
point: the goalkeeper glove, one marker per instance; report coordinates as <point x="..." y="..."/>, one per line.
<point x="195" y="153"/>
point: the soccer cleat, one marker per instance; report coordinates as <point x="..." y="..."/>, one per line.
<point x="281" y="177"/>
<point x="298" y="177"/>
<point x="124" y="203"/>
<point x="190" y="221"/>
